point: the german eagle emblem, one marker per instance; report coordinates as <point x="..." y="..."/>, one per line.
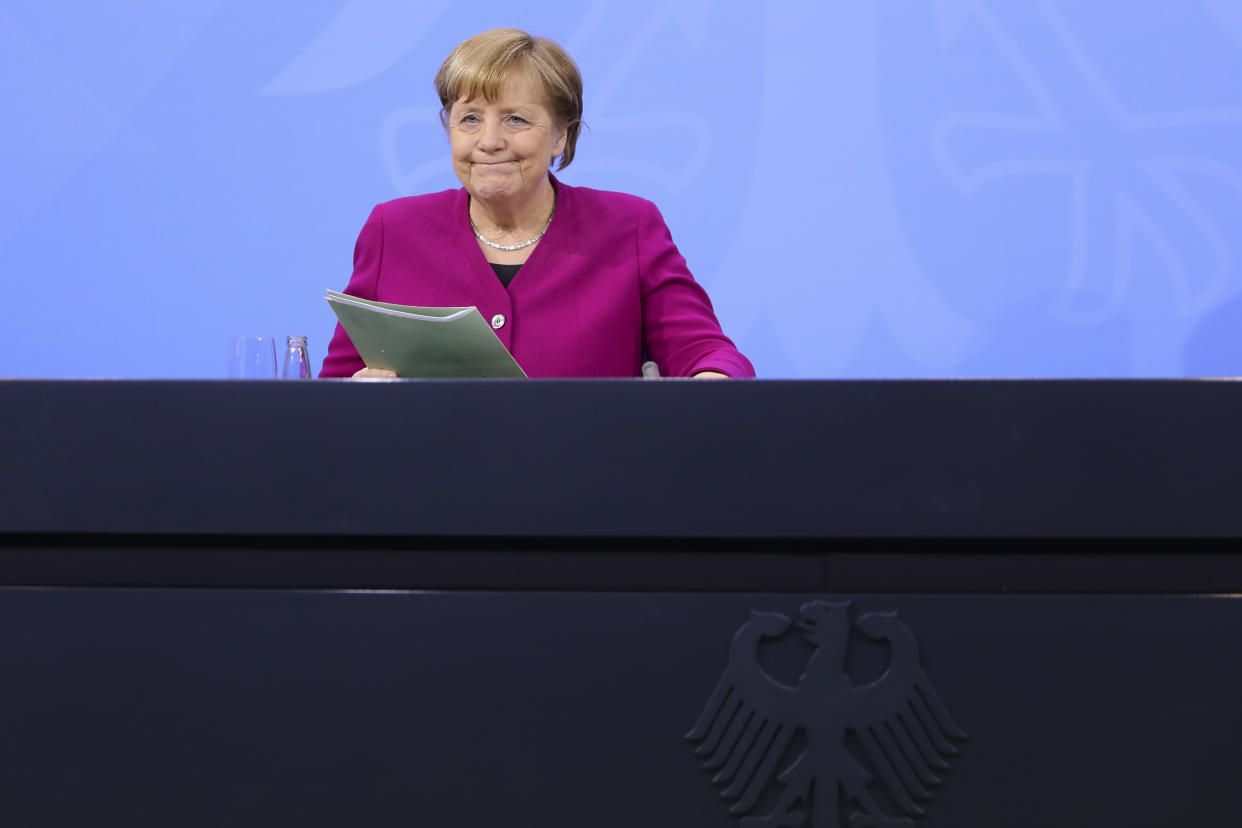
<point x="752" y="726"/>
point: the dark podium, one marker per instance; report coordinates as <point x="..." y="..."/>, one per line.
<point x="621" y="603"/>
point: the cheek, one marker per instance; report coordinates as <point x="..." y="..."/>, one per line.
<point x="459" y="145"/>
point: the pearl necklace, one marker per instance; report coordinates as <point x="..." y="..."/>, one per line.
<point x="519" y="246"/>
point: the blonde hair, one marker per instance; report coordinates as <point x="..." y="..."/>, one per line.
<point x="479" y="65"/>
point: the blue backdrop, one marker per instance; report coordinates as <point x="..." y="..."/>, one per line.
<point x="867" y="189"/>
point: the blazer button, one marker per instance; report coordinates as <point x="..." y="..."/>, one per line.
<point x="498" y="321"/>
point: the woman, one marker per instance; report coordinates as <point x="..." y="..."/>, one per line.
<point x="575" y="282"/>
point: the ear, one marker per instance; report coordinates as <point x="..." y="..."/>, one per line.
<point x="559" y="148"/>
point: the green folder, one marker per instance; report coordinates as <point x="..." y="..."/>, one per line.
<point x="423" y="342"/>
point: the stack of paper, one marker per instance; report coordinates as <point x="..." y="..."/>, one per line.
<point x="423" y="342"/>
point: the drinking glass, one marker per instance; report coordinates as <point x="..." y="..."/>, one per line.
<point x="252" y="357"/>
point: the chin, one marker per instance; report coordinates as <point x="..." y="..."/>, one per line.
<point x="491" y="193"/>
<point x="493" y="190"/>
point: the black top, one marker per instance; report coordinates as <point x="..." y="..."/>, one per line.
<point x="505" y="272"/>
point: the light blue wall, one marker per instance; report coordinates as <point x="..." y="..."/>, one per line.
<point x="904" y="188"/>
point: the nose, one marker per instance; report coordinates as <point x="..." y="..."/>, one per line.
<point x="491" y="136"/>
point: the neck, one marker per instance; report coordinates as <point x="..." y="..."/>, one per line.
<point x="509" y="218"/>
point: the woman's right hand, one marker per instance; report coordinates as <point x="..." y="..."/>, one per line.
<point x="375" y="373"/>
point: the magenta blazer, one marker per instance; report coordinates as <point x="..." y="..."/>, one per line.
<point x="604" y="286"/>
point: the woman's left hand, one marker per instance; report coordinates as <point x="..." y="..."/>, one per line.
<point x="710" y="375"/>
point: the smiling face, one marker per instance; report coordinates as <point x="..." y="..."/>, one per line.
<point x="502" y="149"/>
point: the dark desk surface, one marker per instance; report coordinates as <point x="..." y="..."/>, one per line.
<point x="767" y="459"/>
<point x="755" y="485"/>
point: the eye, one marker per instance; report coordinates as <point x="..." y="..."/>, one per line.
<point x="469" y="122"/>
<point x="517" y="120"/>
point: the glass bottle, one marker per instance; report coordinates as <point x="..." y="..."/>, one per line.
<point x="297" y="360"/>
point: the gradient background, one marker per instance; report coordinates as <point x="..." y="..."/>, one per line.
<point x="867" y="189"/>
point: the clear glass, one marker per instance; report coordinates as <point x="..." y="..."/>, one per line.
<point x="252" y="357"/>
<point x="297" y="360"/>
